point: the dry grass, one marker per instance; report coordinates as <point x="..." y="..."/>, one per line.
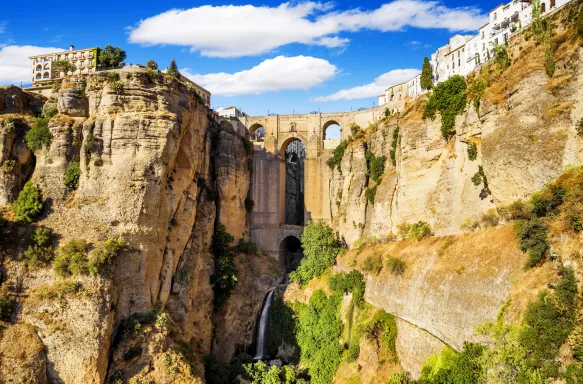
<point x="62" y="120"/>
<point x="558" y="110"/>
<point x="558" y="82"/>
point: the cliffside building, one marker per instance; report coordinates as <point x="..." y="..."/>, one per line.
<point x="43" y="74"/>
<point x="230" y="112"/>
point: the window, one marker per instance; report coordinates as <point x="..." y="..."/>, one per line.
<point x="494" y="15"/>
<point x="483" y="46"/>
<point x="459" y="62"/>
<point x="552" y="3"/>
<point x="506" y="37"/>
<point x="543" y="7"/>
<point x="482" y="34"/>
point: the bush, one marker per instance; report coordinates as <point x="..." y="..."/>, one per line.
<point x="400" y="378"/>
<point x="249" y="204"/>
<point x="49" y="110"/>
<point x="514" y="211"/>
<point x="373" y="264"/>
<point x="90" y="143"/>
<point x="104" y="253"/>
<point x="574" y="374"/>
<point x="546" y="203"/>
<point x="117" y="87"/>
<point x="151" y="64"/>
<point x="370" y="193"/>
<point x="71" y="259"/>
<point x="320" y="250"/>
<point x="352" y="282"/>
<point x="455" y="368"/>
<point x="576" y="222"/>
<point x="548" y="321"/>
<point x="490" y="218"/>
<point x="337" y="155"/>
<point x="395" y="265"/>
<point x="40" y="252"/>
<point x="579" y="128"/>
<point x="394" y="144"/>
<point x="420" y="230"/>
<point x="39" y="135"/>
<point x="550" y="64"/>
<point x="480" y="178"/>
<point x="29" y="203"/>
<point x="449" y="99"/>
<point x="472" y="151"/>
<point x="6" y="305"/>
<point x="501" y="57"/>
<point x="382" y="327"/>
<point x="248" y="145"/>
<point x="387" y="112"/>
<point x="248" y="247"/>
<point x="532" y="235"/>
<point x="356" y="131"/>
<point x="224" y="278"/>
<point x="72" y="175"/>
<point x="376" y="166"/>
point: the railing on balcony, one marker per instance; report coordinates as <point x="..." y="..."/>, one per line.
<point x="514" y="18"/>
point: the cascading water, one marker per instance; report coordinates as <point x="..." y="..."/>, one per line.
<point x="261" y="339"/>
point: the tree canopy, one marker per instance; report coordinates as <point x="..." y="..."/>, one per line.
<point x="111" y="57"/>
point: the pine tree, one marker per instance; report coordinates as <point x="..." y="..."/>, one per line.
<point x="426" y="75"/>
<point x="173" y="69"/>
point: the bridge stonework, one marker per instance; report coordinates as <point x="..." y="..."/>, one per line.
<point x="267" y="219"/>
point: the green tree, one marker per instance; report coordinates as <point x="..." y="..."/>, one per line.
<point x="72" y="175"/>
<point x="449" y="99"/>
<point x="173" y="69"/>
<point x="426" y="75"/>
<point x="152" y="65"/>
<point x="40" y="252"/>
<point x="63" y="66"/>
<point x="28" y="204"/>
<point x="39" y="135"/>
<point x="112" y="57"/>
<point x="225" y="276"/>
<point x="320" y="249"/>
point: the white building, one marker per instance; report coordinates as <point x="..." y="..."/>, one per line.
<point x="452" y="59"/>
<point x="43" y="74"/>
<point x="230" y="112"/>
<point x="414" y="87"/>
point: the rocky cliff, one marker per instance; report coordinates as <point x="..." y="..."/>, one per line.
<point x="157" y="170"/>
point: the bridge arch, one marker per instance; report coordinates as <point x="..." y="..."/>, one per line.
<point x="292" y="176"/>
<point x="257" y="131"/>
<point x="331" y="130"/>
<point x="291" y="253"/>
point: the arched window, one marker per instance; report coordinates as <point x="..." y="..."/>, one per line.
<point x="543" y="7"/>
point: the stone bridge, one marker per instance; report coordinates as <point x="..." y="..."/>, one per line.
<point x="268" y="185"/>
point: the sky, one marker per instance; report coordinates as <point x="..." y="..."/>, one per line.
<point x="263" y="57"/>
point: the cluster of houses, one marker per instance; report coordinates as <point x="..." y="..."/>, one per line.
<point x="463" y="54"/>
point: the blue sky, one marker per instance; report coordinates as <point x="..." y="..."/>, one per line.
<point x="268" y="56"/>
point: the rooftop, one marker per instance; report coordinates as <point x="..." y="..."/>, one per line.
<point x="64" y="51"/>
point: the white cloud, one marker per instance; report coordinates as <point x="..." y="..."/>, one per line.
<point x="234" y="31"/>
<point x="375" y="88"/>
<point x="277" y="74"/>
<point x="15" y="66"/>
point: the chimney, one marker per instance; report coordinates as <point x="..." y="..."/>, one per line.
<point x="71" y="48"/>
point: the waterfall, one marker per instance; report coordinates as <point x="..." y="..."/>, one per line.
<point x="261" y="339"/>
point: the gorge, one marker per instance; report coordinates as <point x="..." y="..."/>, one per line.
<point x="144" y="240"/>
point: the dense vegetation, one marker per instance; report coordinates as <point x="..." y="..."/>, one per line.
<point x="29" y="204"/>
<point x="449" y="99"/>
<point x="225" y="276"/>
<point x="111" y="57"/>
<point x="394" y="144"/>
<point x="40" y="252"/>
<point x="426" y="75"/>
<point x="320" y="250"/>
<point x="72" y="175"/>
<point x="337" y="155"/>
<point x="74" y="257"/>
<point x="38" y="135"/>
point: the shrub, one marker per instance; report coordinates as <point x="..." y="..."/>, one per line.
<point x="248" y="247"/>
<point x="372" y="264"/>
<point x="403" y="230"/>
<point x="501" y="57"/>
<point x="382" y="327"/>
<point x="514" y="211"/>
<point x="394" y="144"/>
<point x="472" y="151"/>
<point x="449" y="99"/>
<point x="548" y="321"/>
<point x="248" y="145"/>
<point x="420" y="230"/>
<point x="39" y="135"/>
<point x="90" y="143"/>
<point x="49" y="111"/>
<point x="28" y="204"/>
<point x="376" y="166"/>
<point x="112" y="77"/>
<point x="480" y="178"/>
<point x="387" y="112"/>
<point x="6" y="305"/>
<point x="550" y="64"/>
<point x="370" y="193"/>
<point x="72" y="175"/>
<point x="152" y="76"/>
<point x="337" y="155"/>
<point x="490" y="218"/>
<point x="40" y="252"/>
<point x="320" y="250"/>
<point x="400" y="378"/>
<point x="224" y="278"/>
<point x="532" y="235"/>
<point x="576" y="222"/>
<point x="151" y="64"/>
<point x="395" y="265"/>
<point x="104" y="253"/>
<point x="71" y="258"/>
<point x="356" y="131"/>
<point x="455" y="368"/>
<point x="117" y="87"/>
<point x="579" y="128"/>
<point x="351" y="282"/>
<point x="546" y="203"/>
<point x="574" y="373"/>
<point x="249" y="204"/>
<point x="131" y="327"/>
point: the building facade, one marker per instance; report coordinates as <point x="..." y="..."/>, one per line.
<point x="230" y="112"/>
<point x="43" y="73"/>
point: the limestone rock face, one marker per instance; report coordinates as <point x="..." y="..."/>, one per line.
<point x="71" y="99"/>
<point x="22" y="357"/>
<point x="16" y="160"/>
<point x="413" y="346"/>
<point x="143" y="149"/>
<point x="15" y="100"/>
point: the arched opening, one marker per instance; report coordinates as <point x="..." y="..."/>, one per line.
<point x="257" y="132"/>
<point x="292" y="187"/>
<point x="543" y="8"/>
<point x="290" y="253"/>
<point x="331" y="130"/>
